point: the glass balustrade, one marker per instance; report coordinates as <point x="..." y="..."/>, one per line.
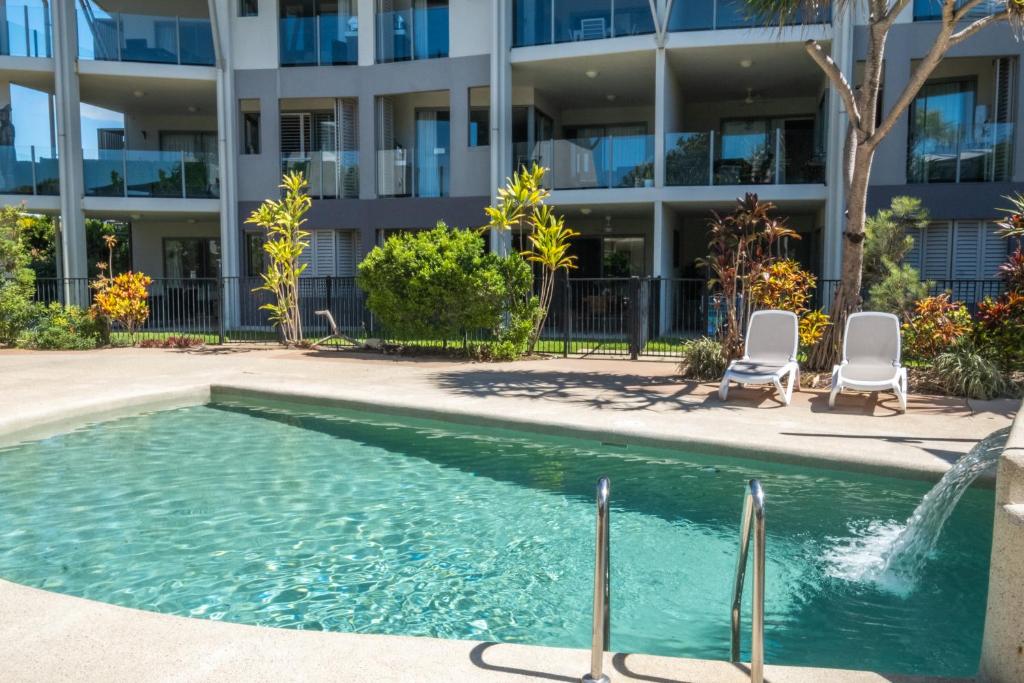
<point x="408" y="34"/>
<point x="983" y="153"/>
<point x="144" y="38"/>
<point x="28" y="170"/>
<point x="593" y="162"/>
<point x="329" y="173"/>
<point x="26" y="31"/>
<point x="394" y="172"/>
<point x="708" y="158"/>
<point x="705" y="15"/>
<point x="542" y="22"/>
<point x="150" y="173"/>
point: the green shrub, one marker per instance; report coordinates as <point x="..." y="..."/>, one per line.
<point x="967" y="370"/>
<point x="937" y="324"/>
<point x="61" y="328"/>
<point x="889" y="237"/>
<point x="17" y="310"/>
<point x="703" y="359"/>
<point x="1000" y="329"/>
<point x="438" y="284"/>
<point x="897" y="290"/>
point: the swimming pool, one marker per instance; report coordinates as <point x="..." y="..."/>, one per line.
<point x="293" y="516"/>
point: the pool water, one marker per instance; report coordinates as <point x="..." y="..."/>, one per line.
<point x="298" y="517"/>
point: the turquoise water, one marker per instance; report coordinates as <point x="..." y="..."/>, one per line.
<point x="358" y="522"/>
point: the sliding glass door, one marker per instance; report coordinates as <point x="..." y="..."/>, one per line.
<point x="433" y="139"/>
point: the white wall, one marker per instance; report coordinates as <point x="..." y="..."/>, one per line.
<point x="254" y="39"/>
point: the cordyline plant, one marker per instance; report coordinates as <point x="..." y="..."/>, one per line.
<point x="520" y="209"/>
<point x="868" y="123"/>
<point x="740" y="248"/>
<point x="549" y="248"/>
<point x="286" y="240"/>
<point x="123" y="299"/>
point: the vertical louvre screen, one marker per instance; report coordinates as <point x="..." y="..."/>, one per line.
<point x="348" y="126"/>
<point x="348" y="250"/>
<point x="935" y="254"/>
<point x="993" y="250"/>
<point x="323" y="253"/>
<point x="1002" y="153"/>
<point x="295" y="134"/>
<point x="966" y="250"/>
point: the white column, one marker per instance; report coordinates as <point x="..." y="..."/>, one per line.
<point x="662" y="262"/>
<point x="227" y="159"/>
<point x="835" y="204"/>
<point x="501" y="107"/>
<point x="660" y="90"/>
<point x="367" y="31"/>
<point x="69" y="148"/>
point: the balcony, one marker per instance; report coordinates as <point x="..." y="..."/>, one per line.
<point x="611" y="161"/>
<point x="545" y="22"/>
<point x="330" y="174"/>
<point x="931" y="10"/>
<point x="150" y="173"/>
<point x="29" y="170"/>
<point x="325" y="39"/>
<point x="706" y="15"/>
<point x="144" y="38"/>
<point x="707" y="158"/>
<point x="963" y="156"/>
<point x="412" y="33"/>
<point x="26" y="31"/>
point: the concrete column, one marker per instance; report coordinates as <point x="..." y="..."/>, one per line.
<point x="660" y="93"/>
<point x="835" y="202"/>
<point x="367" y="145"/>
<point x="661" y="265"/>
<point x="367" y="31"/>
<point x="227" y="155"/>
<point x="69" y="147"/>
<point x="458" y="116"/>
<point x="501" y="107"/>
<point x="1002" y="650"/>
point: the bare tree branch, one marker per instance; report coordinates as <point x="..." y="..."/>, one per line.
<point x="839" y="82"/>
<point x="897" y="7"/>
<point x="959" y="12"/>
<point x="976" y="26"/>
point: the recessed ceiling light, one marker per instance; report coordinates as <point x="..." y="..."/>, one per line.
<point x="192" y="109"/>
<point x="138" y="93"/>
<point x="586" y="210"/>
<point x="591" y="74"/>
<point x="610" y="98"/>
<point x="746" y="63"/>
<point x="191" y="221"/>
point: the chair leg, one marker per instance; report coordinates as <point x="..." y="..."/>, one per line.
<point x="723" y="388"/>
<point x="778" y="388"/>
<point x="794" y="380"/>
<point x="833" y="394"/>
<point x="901" y="390"/>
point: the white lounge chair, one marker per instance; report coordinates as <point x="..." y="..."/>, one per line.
<point x="769" y="354"/>
<point x="871" y="357"/>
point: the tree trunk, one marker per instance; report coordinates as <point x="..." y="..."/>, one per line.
<point x="828" y="351"/>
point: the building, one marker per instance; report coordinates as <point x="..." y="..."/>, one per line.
<point x="404" y="112"/>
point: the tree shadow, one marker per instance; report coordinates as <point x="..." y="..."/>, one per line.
<point x="600" y="390"/>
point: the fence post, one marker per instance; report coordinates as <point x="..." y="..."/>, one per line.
<point x="221" y="292"/>
<point x="566" y="316"/>
<point x="633" y="320"/>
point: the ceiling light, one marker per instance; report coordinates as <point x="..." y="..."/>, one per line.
<point x="591" y="74"/>
<point x="136" y="216"/>
<point x="746" y="63"/>
<point x="586" y="210"/>
<point x="610" y="98"/>
<point x="192" y="109"/>
<point x="191" y="221"/>
<point x="138" y="93"/>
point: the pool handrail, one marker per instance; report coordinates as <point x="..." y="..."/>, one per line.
<point x="601" y="626"/>
<point x="752" y="517"/>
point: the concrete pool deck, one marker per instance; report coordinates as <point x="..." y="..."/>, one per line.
<point x="48" y="636"/>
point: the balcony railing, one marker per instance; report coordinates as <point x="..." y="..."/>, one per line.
<point x="593" y="162"/>
<point x="150" y="173"/>
<point x="29" y="170"/>
<point x="931" y="10"/>
<point x="701" y="158"/>
<point x="26" y="31"/>
<point x="705" y="15"/>
<point x="543" y="22"/>
<point x="963" y="156"/>
<point x="145" y="38"/>
<point x="330" y="174"/>
<point x="404" y="35"/>
<point x="326" y="39"/>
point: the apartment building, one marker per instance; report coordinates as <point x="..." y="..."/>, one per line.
<point x="178" y="118"/>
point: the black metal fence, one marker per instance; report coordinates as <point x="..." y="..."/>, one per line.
<point x="622" y="317"/>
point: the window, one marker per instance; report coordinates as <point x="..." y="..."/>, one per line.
<point x="323" y="144"/>
<point x="248" y="8"/>
<point x="250" y="126"/>
<point x="411" y="29"/>
<point x="255" y="256"/>
<point x="941" y="119"/>
<point x="191" y="257"/>
<point x="479" y="116"/>
<point x="319" y="32"/>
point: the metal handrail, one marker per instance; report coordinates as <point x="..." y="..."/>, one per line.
<point x="601" y="627"/>
<point x="752" y="517"/>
